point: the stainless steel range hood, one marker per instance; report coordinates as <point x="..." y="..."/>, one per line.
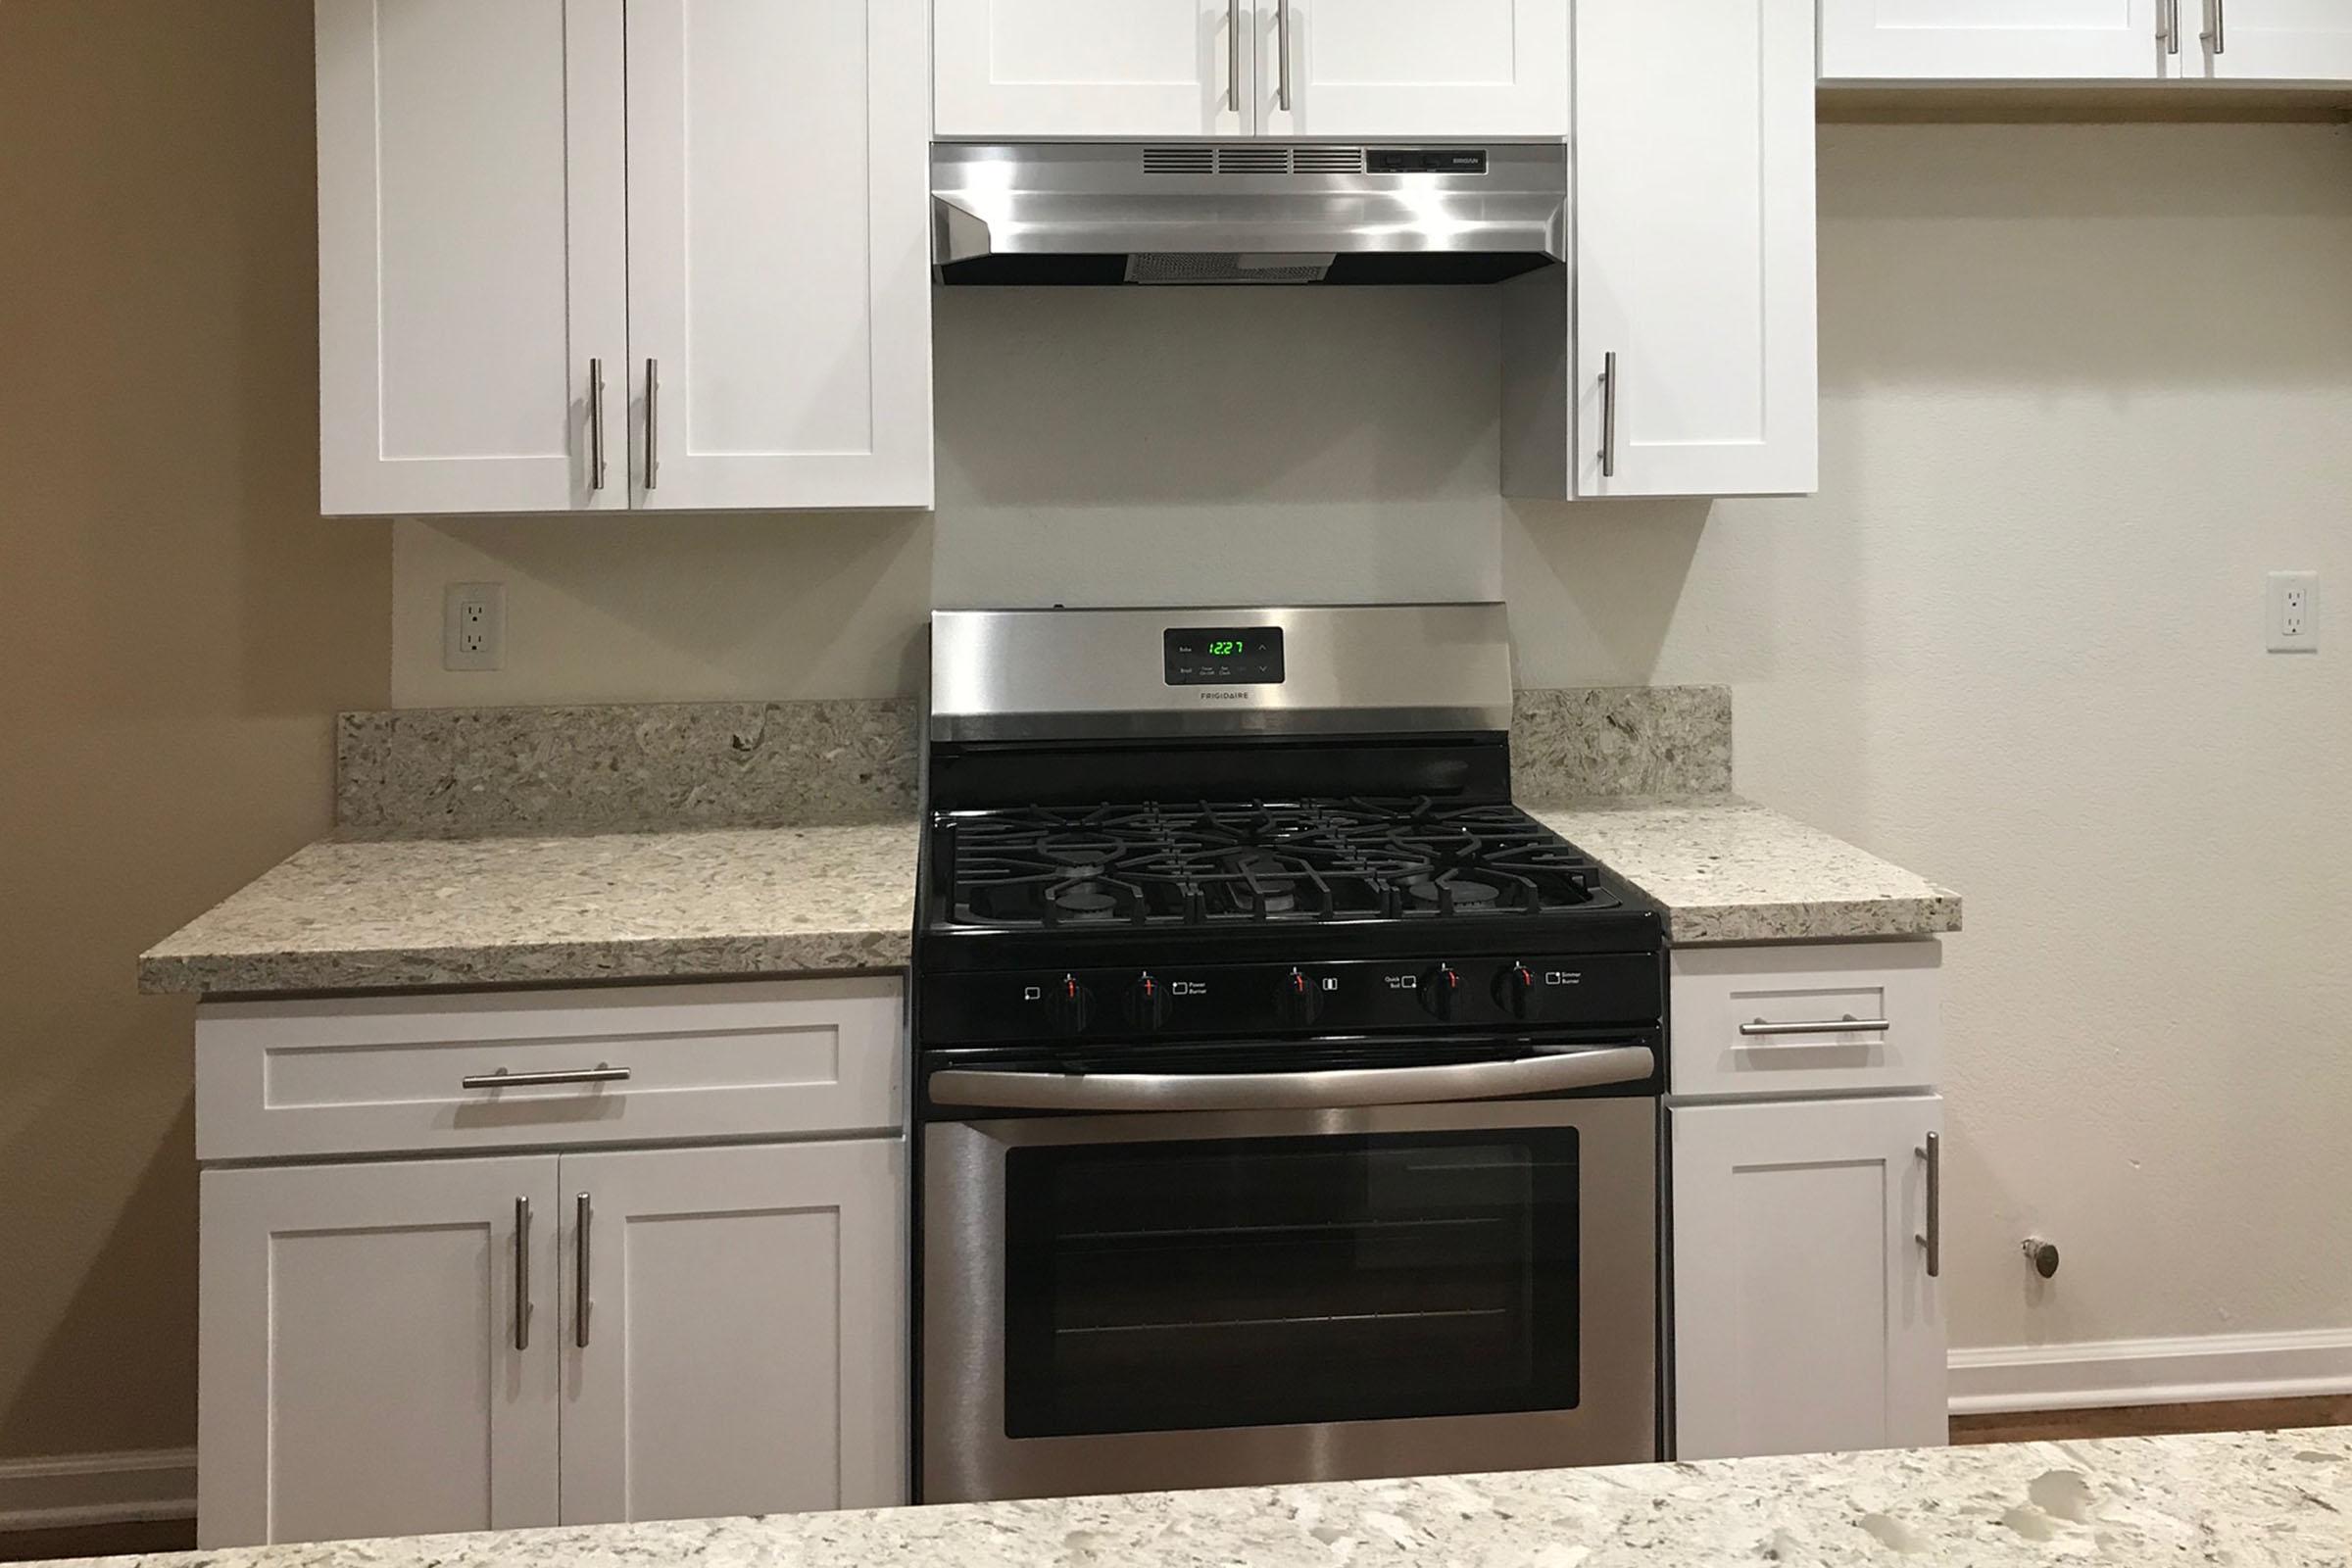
<point x="1247" y="212"/>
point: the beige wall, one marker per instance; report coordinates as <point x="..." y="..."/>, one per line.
<point x="176" y="626"/>
<point x="2082" y="386"/>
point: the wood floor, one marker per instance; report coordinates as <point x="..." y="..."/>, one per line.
<point x="2032" y="1426"/>
<point x="2154" y="1420"/>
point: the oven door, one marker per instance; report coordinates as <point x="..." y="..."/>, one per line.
<point x="1228" y="1298"/>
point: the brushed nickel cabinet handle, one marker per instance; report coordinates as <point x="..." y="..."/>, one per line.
<point x="503" y="1079"/>
<point x="585" y="1218"/>
<point x="522" y="1273"/>
<point x="1232" y="55"/>
<point x="1608" y="414"/>
<point x="1933" y="1237"/>
<point x="653" y="423"/>
<point x="1850" y="1025"/>
<point x="1282" y="21"/>
<point x="2217" y="36"/>
<point x="2168" y="26"/>
<point x="596" y="425"/>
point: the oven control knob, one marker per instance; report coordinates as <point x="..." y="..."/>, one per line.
<point x="1297" y="999"/>
<point x="1146" y="1002"/>
<point x="1069" y="1004"/>
<point x="1515" y="991"/>
<point x="1442" y="992"/>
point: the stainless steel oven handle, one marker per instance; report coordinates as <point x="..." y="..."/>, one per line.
<point x="1344" y="1090"/>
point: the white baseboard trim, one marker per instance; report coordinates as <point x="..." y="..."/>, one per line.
<point x="97" y="1488"/>
<point x="2128" y="1372"/>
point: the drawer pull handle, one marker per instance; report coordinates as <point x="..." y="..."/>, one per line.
<point x="1847" y="1025"/>
<point x="503" y="1079"/>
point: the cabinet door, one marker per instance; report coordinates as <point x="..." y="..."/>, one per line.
<point x="1694" y="249"/>
<point x="779" y="261"/>
<point x="377" y="1351"/>
<point x="471" y="254"/>
<point x="745" y="1340"/>
<point x="1804" y="1317"/>
<point x="1009" y="69"/>
<point x="1406" y="67"/>
<point x="1994" y="39"/>
<point x="2266" y="41"/>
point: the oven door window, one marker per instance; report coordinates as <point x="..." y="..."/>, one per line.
<point x="1184" y="1286"/>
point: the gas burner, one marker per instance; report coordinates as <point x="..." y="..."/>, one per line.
<point x="1453" y="890"/>
<point x="1277" y="861"/>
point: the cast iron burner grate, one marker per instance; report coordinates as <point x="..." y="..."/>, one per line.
<point x="1295" y="861"/>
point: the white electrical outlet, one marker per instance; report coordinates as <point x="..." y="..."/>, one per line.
<point x="2293" y="600"/>
<point x="474" y="626"/>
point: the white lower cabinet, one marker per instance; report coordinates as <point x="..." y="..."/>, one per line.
<point x="560" y="1328"/>
<point x="744" y="1340"/>
<point x="404" y="1349"/>
<point x="1807" y="1318"/>
<point x="369" y="1362"/>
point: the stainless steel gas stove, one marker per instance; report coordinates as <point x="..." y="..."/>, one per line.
<point x="1288" y="1096"/>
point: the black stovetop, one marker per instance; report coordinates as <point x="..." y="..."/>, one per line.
<point x="1228" y="864"/>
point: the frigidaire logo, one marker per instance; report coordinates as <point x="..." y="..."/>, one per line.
<point x="1225" y="697"/>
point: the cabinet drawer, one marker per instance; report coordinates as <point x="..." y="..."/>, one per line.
<point x="641" y="1064"/>
<point x="1771" y="1020"/>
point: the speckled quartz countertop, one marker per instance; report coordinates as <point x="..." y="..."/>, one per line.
<point x="351" y="915"/>
<point x="495" y="846"/>
<point x="2251" y="1499"/>
<point x="1728" y="870"/>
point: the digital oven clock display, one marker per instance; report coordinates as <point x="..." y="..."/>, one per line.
<point x="1224" y="656"/>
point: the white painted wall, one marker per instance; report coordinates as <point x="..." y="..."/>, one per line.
<point x="1095" y="446"/>
<point x="2082" y="386"/>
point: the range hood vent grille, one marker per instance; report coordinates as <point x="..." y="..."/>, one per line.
<point x="1254" y="160"/>
<point x="1327" y="160"/>
<point x="1180" y="160"/>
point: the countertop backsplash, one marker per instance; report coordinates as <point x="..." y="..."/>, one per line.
<point x="456" y="772"/>
<point x="453" y="772"/>
<point x="1612" y="741"/>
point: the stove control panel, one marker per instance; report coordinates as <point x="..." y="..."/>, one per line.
<point x="1283" y="998"/>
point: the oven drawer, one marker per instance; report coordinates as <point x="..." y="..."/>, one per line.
<point x="638" y="1063"/>
<point x="1842" y="1020"/>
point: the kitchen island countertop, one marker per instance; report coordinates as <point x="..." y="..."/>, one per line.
<point x="2254" y="1500"/>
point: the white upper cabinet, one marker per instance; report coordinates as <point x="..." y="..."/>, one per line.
<point x="1696" y="353"/>
<point x="1997" y="39"/>
<point x="1091" y="68"/>
<point x="471" y="251"/>
<point x="1366" y="69"/>
<point x="1333" y="69"/>
<point x="779" y="261"/>
<point x="2266" y="40"/>
<point x="594" y="254"/>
